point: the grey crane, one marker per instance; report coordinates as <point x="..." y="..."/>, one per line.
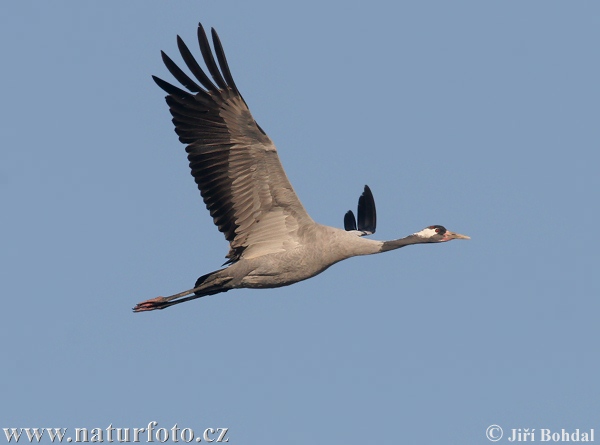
<point x="273" y="241"/>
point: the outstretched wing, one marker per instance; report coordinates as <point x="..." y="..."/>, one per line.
<point x="367" y="215"/>
<point x="233" y="161"/>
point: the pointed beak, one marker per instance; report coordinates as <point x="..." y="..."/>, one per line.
<point x="451" y="235"/>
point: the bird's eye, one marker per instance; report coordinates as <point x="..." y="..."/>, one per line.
<point x="437" y="230"/>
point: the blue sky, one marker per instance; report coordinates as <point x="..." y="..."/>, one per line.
<point x="481" y="116"/>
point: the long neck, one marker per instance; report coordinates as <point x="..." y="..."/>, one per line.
<point x="406" y="241"/>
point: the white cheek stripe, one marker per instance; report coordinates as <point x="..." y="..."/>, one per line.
<point x="426" y="233"/>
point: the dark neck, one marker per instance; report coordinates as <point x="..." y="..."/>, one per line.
<point x="406" y="241"/>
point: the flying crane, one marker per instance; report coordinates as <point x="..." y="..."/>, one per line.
<point x="273" y="242"/>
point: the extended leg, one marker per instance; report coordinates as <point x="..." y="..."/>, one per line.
<point x="163" y="302"/>
<point x="209" y="284"/>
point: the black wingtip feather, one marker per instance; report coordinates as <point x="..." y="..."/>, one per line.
<point x="367" y="215"/>
<point x="209" y="60"/>
<point x="349" y="221"/>
<point x="178" y="74"/>
<point x="223" y="61"/>
<point x="171" y="89"/>
<point x="193" y="66"/>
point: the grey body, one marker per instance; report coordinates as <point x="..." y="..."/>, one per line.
<point x="321" y="247"/>
<point x="273" y="242"/>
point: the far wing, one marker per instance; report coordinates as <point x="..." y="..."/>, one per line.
<point x="367" y="215"/>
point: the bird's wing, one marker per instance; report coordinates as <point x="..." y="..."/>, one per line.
<point x="350" y="221"/>
<point x="233" y="161"/>
<point x="367" y="215"/>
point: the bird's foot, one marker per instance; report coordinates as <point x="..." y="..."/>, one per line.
<point x="150" y="305"/>
<point x="163" y="302"/>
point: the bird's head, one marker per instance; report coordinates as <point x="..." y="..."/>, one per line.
<point x="439" y="234"/>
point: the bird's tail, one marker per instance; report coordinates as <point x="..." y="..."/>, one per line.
<point x="209" y="284"/>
